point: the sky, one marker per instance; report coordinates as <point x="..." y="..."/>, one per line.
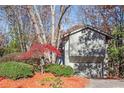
<point x="73" y="19"/>
<point x="3" y="22"/>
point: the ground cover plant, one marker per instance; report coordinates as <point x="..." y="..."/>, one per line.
<point x="53" y="82"/>
<point x="59" y="70"/>
<point x="15" y="70"/>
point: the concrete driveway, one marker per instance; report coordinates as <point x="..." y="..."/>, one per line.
<point x="106" y="83"/>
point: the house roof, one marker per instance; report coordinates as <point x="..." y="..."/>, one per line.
<point x="80" y="27"/>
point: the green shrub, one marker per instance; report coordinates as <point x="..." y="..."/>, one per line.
<point x="59" y="70"/>
<point x="15" y="70"/>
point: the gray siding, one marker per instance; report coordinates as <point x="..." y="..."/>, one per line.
<point x="85" y="43"/>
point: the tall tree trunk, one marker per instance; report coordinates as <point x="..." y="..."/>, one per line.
<point x="19" y="26"/>
<point x="41" y="29"/>
<point x="41" y="25"/>
<point x="53" y="30"/>
<point x="21" y="29"/>
<point x="63" y="11"/>
<point x="34" y="22"/>
<point x="20" y="37"/>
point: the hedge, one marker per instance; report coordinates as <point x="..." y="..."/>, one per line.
<point x="59" y="70"/>
<point x="16" y="70"/>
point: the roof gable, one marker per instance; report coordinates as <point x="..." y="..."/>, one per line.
<point x="79" y="28"/>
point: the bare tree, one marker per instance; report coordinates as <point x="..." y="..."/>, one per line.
<point x="63" y="11"/>
<point x="53" y="30"/>
<point x="34" y="23"/>
<point x="41" y="25"/>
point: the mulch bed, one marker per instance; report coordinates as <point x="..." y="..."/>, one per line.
<point x="33" y="82"/>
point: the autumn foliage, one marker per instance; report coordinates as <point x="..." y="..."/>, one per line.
<point x="38" y="50"/>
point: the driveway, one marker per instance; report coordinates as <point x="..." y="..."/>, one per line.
<point x="106" y="83"/>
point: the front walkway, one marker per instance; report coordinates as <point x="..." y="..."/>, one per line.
<point x="106" y="83"/>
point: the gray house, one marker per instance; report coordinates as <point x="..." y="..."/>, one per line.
<point x="85" y="49"/>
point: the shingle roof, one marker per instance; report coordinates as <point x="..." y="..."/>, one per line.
<point x="78" y="28"/>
